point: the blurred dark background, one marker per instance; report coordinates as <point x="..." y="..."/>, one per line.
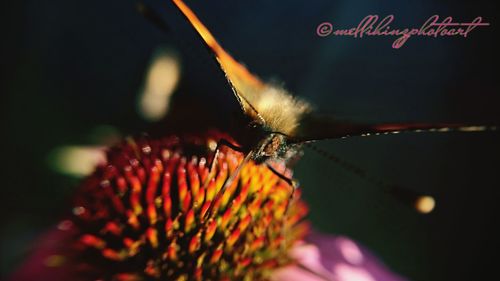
<point x="72" y="68"/>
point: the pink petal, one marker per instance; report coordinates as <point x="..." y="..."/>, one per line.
<point x="328" y="257"/>
<point x="48" y="260"/>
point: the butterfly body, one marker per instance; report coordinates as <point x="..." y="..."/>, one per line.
<point x="272" y="124"/>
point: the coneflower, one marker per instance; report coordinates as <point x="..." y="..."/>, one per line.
<point x="153" y="211"/>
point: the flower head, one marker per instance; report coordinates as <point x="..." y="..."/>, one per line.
<point x="154" y="212"/>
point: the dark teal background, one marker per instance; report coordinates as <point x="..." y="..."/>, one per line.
<point x="70" y="66"/>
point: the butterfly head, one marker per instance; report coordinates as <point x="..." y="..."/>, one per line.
<point x="274" y="146"/>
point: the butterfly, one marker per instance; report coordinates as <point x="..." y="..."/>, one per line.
<point x="273" y="125"/>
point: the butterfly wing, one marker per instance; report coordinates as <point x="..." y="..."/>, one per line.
<point x="209" y="103"/>
<point x="267" y="104"/>
<point x="313" y="128"/>
<point x="238" y="77"/>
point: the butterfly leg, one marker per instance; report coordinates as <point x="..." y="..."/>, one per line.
<point x="211" y="166"/>
<point x="293" y="183"/>
<point x="222" y="142"/>
<point x="229" y="180"/>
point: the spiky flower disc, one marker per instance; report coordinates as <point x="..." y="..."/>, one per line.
<point x="151" y="213"/>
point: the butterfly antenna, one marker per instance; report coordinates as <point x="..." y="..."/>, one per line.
<point x="422" y="203"/>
